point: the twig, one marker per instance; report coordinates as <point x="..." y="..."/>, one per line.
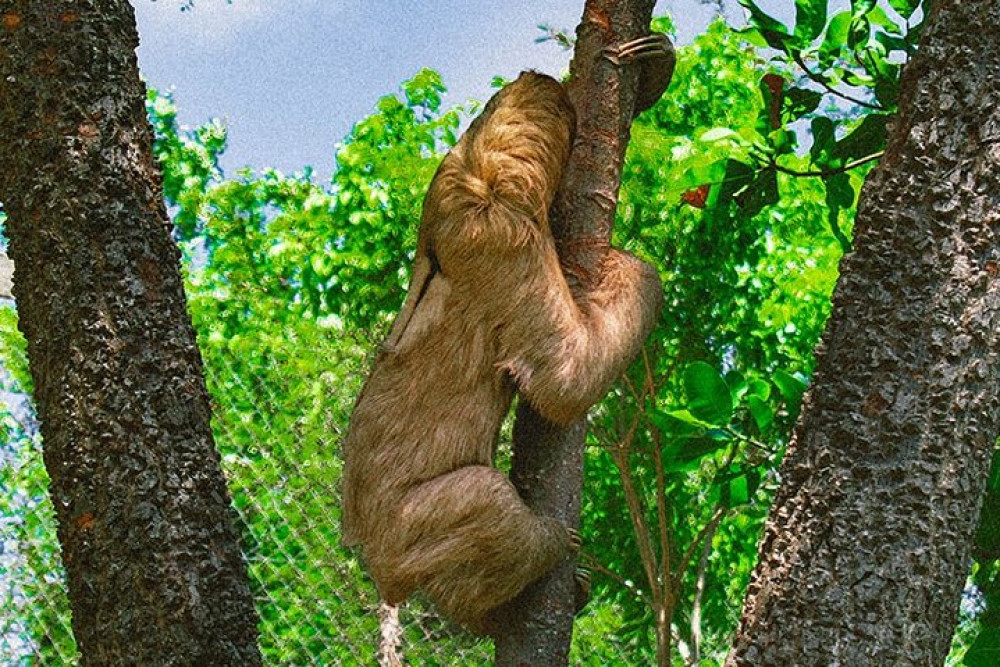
<point x="591" y="563"/>
<point x="620" y="456"/>
<point x="661" y="510"/>
<point x="631" y="386"/>
<point x="829" y="172"/>
<point x="650" y="381"/>
<point x="717" y="516"/>
<point x="817" y="78"/>
<point x="699" y="589"/>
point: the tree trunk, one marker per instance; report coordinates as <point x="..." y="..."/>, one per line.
<point x="548" y="460"/>
<point x="154" y="569"/>
<point x="867" y="546"/>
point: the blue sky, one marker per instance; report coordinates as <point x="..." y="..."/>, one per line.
<point x="290" y="77"/>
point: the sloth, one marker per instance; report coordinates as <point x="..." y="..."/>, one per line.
<point x="488" y="313"/>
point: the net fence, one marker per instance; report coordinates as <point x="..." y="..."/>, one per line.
<point x="316" y="604"/>
<point x="277" y="418"/>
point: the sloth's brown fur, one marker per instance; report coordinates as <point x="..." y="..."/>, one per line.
<point x="488" y="312"/>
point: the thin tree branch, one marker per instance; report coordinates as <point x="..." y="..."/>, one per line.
<point x="661" y="499"/>
<point x="708" y="528"/>
<point x="591" y="563"/>
<point x="829" y="172"/>
<point x="817" y="78"/>
<point x="643" y="537"/>
<point x="699" y="589"/>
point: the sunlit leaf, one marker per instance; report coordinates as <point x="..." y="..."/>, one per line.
<point x="773" y="31"/>
<point x="859" y="32"/>
<point x="810" y="18"/>
<point x="709" y="398"/>
<point x="862" y="7"/>
<point x="791" y="388"/>
<point x="905" y="8"/>
<point x="835" y="39"/>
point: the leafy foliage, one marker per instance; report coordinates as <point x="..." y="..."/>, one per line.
<point x="699" y="427"/>
<point x="291" y="283"/>
<point x="287" y="282"/>
<point x="31" y="593"/>
<point x="978" y="637"/>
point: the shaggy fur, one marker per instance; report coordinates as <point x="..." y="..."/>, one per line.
<point x="488" y="312"/>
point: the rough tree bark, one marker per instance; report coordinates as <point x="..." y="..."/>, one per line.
<point x="153" y="562"/>
<point x="867" y="547"/>
<point x="548" y="460"/>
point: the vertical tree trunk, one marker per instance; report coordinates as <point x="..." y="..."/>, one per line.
<point x="154" y="568"/>
<point x="548" y="460"/>
<point x="867" y="546"/>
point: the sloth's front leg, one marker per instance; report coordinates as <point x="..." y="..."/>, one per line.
<point x="655" y="55"/>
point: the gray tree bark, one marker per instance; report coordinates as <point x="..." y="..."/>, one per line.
<point x="153" y="563"/>
<point x="548" y="460"/>
<point x="867" y="546"/>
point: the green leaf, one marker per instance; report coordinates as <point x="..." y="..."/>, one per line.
<point x="836" y="37"/>
<point x="887" y="85"/>
<point x="987" y="537"/>
<point x="839" y="196"/>
<point x="752" y="36"/>
<point x="763" y="191"/>
<point x="718" y="133"/>
<point x="839" y="193"/>
<point x="810" y="17"/>
<point x="862" y="7"/>
<point x="994" y="481"/>
<point x="824" y="140"/>
<point x="760" y="389"/>
<point x="800" y="101"/>
<point x="709" y="398"/>
<point x="762" y="413"/>
<point x="904" y="8"/>
<point x="879" y="17"/>
<point x="773" y="31"/>
<point x="866" y="139"/>
<point x="782" y="140"/>
<point x="985" y="650"/>
<point x="852" y="77"/>
<point x="859" y="33"/>
<point x="685" y="454"/>
<point x="737" y="488"/>
<point x="892" y="42"/>
<point x="874" y="58"/>
<point x="791" y="388"/>
<point x="738" y="177"/>
<point x="682" y="416"/>
<point x="736" y="492"/>
<point x="737" y="384"/>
